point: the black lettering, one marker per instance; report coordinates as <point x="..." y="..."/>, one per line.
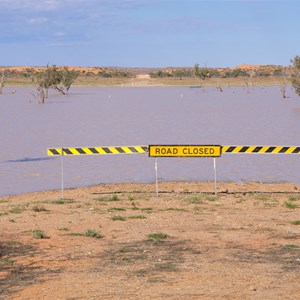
<point x="157" y="151"/>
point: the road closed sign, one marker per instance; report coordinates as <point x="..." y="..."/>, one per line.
<point x="184" y="150"/>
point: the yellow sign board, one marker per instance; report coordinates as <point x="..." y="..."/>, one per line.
<point x="185" y="150"/>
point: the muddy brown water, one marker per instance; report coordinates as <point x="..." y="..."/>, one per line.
<point x="104" y="116"/>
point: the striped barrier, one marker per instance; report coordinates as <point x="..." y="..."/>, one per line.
<point x="97" y="150"/>
<point x="145" y="149"/>
<point x="170" y="151"/>
<point x="262" y="149"/>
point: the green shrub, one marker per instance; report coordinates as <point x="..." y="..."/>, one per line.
<point x="93" y="233"/>
<point x="118" y="218"/>
<point x="39" y="234"/>
<point x="108" y="199"/>
<point x="290" y="205"/>
<point x="157" y="237"/>
<point x="297" y="222"/>
<point x="137" y="217"/>
<point x="61" y="201"/>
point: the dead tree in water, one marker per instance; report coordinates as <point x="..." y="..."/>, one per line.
<point x="282" y="90"/>
<point x="2" y="80"/>
<point x="219" y="88"/>
<point x="285" y="76"/>
<point x="53" y="78"/>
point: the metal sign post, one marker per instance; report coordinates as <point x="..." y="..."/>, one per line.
<point x="156" y="178"/>
<point x="185" y="151"/>
<point x="215" y="172"/>
<point x="62" y="173"/>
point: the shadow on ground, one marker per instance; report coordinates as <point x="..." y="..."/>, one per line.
<point x="15" y="276"/>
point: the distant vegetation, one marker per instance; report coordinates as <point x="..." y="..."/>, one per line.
<point x="202" y="73"/>
<point x="295" y="77"/>
<point x="60" y="79"/>
<point x="107" y="73"/>
<point x="3" y="75"/>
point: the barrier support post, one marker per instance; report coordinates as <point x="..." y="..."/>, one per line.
<point x="62" y="173"/>
<point x="215" y="173"/>
<point x="156" y="179"/>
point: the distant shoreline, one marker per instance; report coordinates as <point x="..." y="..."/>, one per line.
<point x="243" y="75"/>
<point x="162" y="82"/>
<point x="173" y="187"/>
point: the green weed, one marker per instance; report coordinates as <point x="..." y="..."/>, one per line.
<point x="147" y="209"/>
<point x="74" y="234"/>
<point x="294" y="198"/>
<point x="61" y="201"/>
<point x="168" y="267"/>
<point x="157" y="237"/>
<point x="16" y="210"/>
<point x="93" y="233"/>
<point x="137" y="217"/>
<point x="297" y="222"/>
<point x="261" y="197"/>
<point x="290" y="247"/>
<point x="195" y="200"/>
<point x="39" y="234"/>
<point x="211" y="198"/>
<point x="108" y="199"/>
<point x="118" y="218"/>
<point x="290" y="205"/>
<point x="64" y="229"/>
<point x="6" y="262"/>
<point x="174" y="209"/>
<point x="271" y="203"/>
<point x="116" y="209"/>
<point x="124" y="250"/>
<point x="88" y="233"/>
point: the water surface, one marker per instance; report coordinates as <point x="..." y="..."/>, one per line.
<point x="104" y="116"/>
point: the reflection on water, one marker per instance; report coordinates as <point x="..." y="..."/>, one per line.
<point x="105" y="116"/>
<point x="28" y="159"/>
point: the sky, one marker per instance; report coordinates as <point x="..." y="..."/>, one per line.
<point x="149" y="33"/>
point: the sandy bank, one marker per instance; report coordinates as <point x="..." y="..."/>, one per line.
<point x="121" y="241"/>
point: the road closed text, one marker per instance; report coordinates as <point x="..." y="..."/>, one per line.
<point x="184" y="151"/>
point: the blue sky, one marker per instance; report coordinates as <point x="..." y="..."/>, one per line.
<point x="148" y="33"/>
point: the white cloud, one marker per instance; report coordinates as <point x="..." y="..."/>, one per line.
<point x="59" y="34"/>
<point x="54" y="5"/>
<point x="36" y="21"/>
<point x="31" y="5"/>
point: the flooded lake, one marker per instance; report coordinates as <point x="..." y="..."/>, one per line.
<point x="104" y="116"/>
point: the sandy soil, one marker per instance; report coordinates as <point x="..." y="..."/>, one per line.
<point x="187" y="243"/>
